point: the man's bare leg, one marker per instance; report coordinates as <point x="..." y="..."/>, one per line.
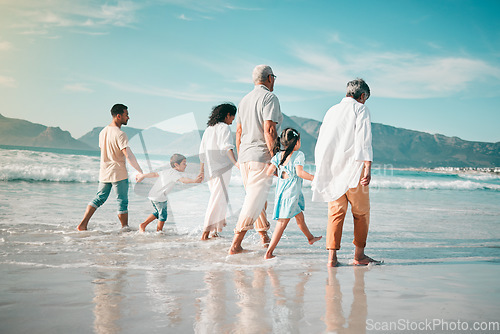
<point x="332" y="258"/>
<point x="86" y="218"/>
<point x="360" y="258"/>
<point x="236" y="245"/>
<point x="142" y="227"/>
<point x="265" y="238"/>
<point x="123" y="217"/>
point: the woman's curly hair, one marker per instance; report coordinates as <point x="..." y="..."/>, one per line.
<point x="220" y="112"/>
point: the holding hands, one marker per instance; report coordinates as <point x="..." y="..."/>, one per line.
<point x="139" y="177"/>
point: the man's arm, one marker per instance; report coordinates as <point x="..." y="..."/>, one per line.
<point x="238" y="137"/>
<point x="271" y="170"/>
<point x="131" y="159"/>
<point x="367" y="174"/>
<point x="139" y="177"/>
<point x="270" y="135"/>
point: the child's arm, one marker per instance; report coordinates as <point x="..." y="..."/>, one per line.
<point x="230" y="154"/>
<point x="139" y="177"/>
<point x="198" y="179"/>
<point x="271" y="170"/>
<point x="303" y="174"/>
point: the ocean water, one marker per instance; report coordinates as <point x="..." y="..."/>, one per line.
<point x="438" y="232"/>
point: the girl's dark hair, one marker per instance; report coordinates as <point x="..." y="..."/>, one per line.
<point x="220" y="112"/>
<point x="288" y="139"/>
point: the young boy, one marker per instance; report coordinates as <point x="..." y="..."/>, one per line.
<point x="165" y="183"/>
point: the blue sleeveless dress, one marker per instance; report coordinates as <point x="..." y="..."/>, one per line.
<point x="288" y="200"/>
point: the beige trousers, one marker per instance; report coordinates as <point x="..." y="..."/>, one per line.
<point x="257" y="184"/>
<point x="359" y="198"/>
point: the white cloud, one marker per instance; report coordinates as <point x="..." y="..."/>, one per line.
<point x="394" y="75"/>
<point x="5" y="46"/>
<point x="335" y="38"/>
<point x="77" y="87"/>
<point x="184" y="17"/>
<point x="192" y="94"/>
<point x="7" y="82"/>
<point x="33" y="16"/>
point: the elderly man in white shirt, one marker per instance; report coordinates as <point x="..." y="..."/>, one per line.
<point x="344" y="156"/>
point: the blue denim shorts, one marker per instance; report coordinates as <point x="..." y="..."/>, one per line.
<point x="160" y="210"/>
<point x="121" y="188"/>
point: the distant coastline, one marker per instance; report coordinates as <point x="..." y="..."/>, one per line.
<point x="91" y="153"/>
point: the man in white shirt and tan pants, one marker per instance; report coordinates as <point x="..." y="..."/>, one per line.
<point x="258" y="118"/>
<point x="344" y="157"/>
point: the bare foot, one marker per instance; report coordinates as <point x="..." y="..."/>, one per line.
<point x="332" y="259"/>
<point x="204" y="236"/>
<point x="269" y="256"/>
<point x="233" y="251"/>
<point x="82" y="227"/>
<point x="333" y="264"/>
<point x="215" y="235"/>
<point x="365" y="260"/>
<point x="142" y="227"/>
<point x="125" y="228"/>
<point x="314" y="239"/>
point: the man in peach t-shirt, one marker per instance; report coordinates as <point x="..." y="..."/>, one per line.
<point x="113" y="143"/>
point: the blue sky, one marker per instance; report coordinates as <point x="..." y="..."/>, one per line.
<point x="432" y="66"/>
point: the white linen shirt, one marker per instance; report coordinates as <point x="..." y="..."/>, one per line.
<point x="216" y="141"/>
<point x="344" y="143"/>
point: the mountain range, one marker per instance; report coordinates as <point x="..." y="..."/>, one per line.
<point x="392" y="146"/>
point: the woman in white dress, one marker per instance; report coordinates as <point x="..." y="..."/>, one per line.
<point x="217" y="158"/>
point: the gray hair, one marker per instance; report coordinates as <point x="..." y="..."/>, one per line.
<point x="357" y="87"/>
<point x="260" y="73"/>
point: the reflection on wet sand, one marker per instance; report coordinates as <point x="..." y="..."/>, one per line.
<point x="163" y="300"/>
<point x="257" y="310"/>
<point x="251" y="302"/>
<point x="334" y="317"/>
<point x="211" y="313"/>
<point x="109" y="284"/>
<point x="107" y="300"/>
<point x="258" y="300"/>
<point x="287" y="312"/>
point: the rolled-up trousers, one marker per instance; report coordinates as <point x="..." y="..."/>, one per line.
<point x="257" y="184"/>
<point x="359" y="198"/>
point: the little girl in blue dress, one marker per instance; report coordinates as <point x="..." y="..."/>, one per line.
<point x="288" y="166"/>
